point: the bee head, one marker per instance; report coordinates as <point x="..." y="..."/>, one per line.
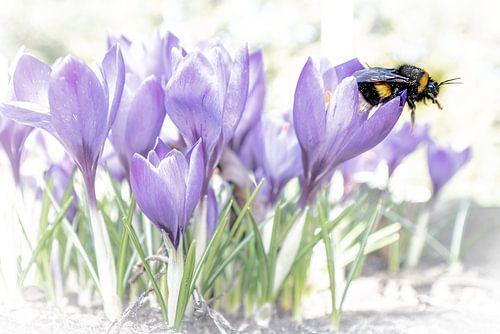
<point x="432" y="89"/>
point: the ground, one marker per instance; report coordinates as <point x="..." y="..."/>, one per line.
<point x="432" y="299"/>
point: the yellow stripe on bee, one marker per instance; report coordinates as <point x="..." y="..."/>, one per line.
<point x="423" y="82"/>
<point x="383" y="89"/>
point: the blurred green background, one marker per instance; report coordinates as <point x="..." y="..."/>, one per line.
<point x="448" y="38"/>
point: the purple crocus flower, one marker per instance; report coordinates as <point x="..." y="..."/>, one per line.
<point x="255" y="101"/>
<point x="139" y="119"/>
<point x="400" y="144"/>
<point x="329" y="126"/>
<point x="443" y="163"/>
<point x="392" y="150"/>
<point x="167" y="186"/>
<point x="275" y="154"/>
<point x="12" y="138"/>
<point x="157" y="56"/>
<point x="205" y="98"/>
<point x="77" y="105"/>
<point x="72" y="102"/>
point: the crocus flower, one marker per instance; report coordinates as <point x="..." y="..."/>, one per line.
<point x="400" y="144"/>
<point x="444" y="163"/>
<point x="205" y="98"/>
<point x="329" y="126"/>
<point x="139" y="119"/>
<point x="167" y="186"/>
<point x="74" y="103"/>
<point x="157" y="56"/>
<point x="275" y="153"/>
<point x="392" y="150"/>
<point x="12" y="138"/>
<point x="255" y="101"/>
<point x="77" y="105"/>
<point x="25" y="79"/>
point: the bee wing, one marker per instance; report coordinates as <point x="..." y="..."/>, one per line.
<point x="377" y="74"/>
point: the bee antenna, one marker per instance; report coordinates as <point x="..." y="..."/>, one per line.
<point x="450" y="82"/>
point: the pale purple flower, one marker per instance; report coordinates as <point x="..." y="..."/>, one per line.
<point x="255" y="101"/>
<point x="444" y="163"/>
<point x="157" y="56"/>
<point x="329" y="126"/>
<point x="272" y="151"/>
<point x="400" y="144"/>
<point x="73" y="102"/>
<point x="392" y="150"/>
<point x="205" y="98"/>
<point x="139" y="119"/>
<point x="12" y="138"/>
<point x="167" y="186"/>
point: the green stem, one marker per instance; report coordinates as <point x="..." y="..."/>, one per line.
<point x="104" y="255"/>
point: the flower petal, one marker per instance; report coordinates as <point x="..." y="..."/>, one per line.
<point x="309" y="108"/>
<point x="193" y="102"/>
<point x="150" y="191"/>
<point x="254" y="105"/>
<point x="114" y="70"/>
<point x="444" y="163"/>
<point x="348" y="68"/>
<point x="145" y="118"/>
<point x="174" y="170"/>
<point x="236" y="93"/>
<point x="28" y="113"/>
<point x="30" y="80"/>
<point x="159" y="152"/>
<point x="195" y="178"/>
<point x="373" y="130"/>
<point x="212" y="213"/>
<point x="79" y="110"/>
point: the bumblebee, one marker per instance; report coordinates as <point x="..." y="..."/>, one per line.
<point x="378" y="85"/>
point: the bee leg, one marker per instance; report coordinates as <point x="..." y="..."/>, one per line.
<point x="437" y="102"/>
<point x="412" y="106"/>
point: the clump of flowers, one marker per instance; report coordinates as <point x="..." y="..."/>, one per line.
<point x="237" y="200"/>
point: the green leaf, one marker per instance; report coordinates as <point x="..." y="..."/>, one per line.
<point x="122" y="258"/>
<point x="208" y="256"/>
<point x="142" y="257"/>
<point x="186" y="283"/>
<point x="361" y="254"/>
<point x="45" y="240"/>
<point x="261" y="257"/>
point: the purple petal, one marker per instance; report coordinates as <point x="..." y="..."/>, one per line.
<point x="309" y="108"/>
<point x="342" y="117"/>
<point x="145" y="118"/>
<point x="150" y="191"/>
<point x="159" y="152"/>
<point x="28" y="113"/>
<point x="31" y="80"/>
<point x="348" y="68"/>
<point x="193" y="102"/>
<point x="212" y="213"/>
<point x="79" y="111"/>
<point x="195" y="179"/>
<point x="254" y="105"/>
<point x="236" y="93"/>
<point x="174" y="171"/>
<point x="171" y="43"/>
<point x="373" y="130"/>
<point x="444" y="163"/>
<point x="114" y="70"/>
